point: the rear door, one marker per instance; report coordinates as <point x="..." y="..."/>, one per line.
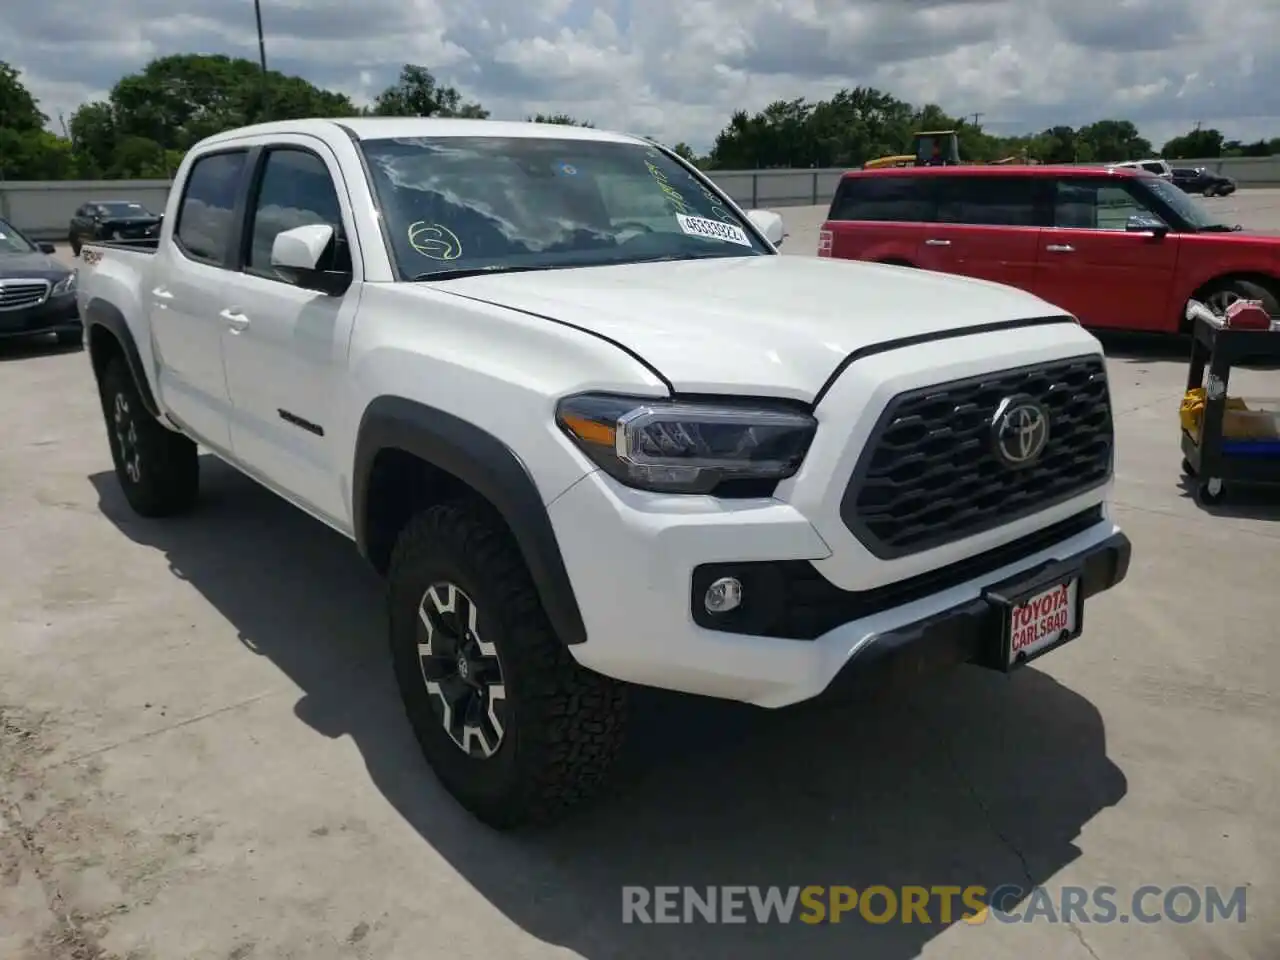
<point x="1091" y="265"/>
<point x="188" y="290"/>
<point x="878" y="218"/>
<point x="987" y="228"/>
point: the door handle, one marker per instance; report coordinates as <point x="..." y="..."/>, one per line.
<point x="1060" y="248"/>
<point x="235" y="319"/>
<point x="937" y="243"/>
<point x="160" y="293"/>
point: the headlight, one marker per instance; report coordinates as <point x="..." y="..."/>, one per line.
<point x="685" y="446"/>
<point x="66" y="285"/>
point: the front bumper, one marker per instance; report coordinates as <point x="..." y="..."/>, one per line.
<point x="632" y="559"/>
<point x="970" y="632"/>
<point x="55" y="315"/>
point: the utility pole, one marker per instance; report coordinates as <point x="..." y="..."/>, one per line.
<point x="976" y="117"/>
<point x="262" y="46"/>
<point x="262" y="59"/>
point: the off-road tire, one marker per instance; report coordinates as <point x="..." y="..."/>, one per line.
<point x="166" y="480"/>
<point x="564" y="725"/>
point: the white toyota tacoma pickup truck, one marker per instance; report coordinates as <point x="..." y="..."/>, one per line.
<point x="595" y="431"/>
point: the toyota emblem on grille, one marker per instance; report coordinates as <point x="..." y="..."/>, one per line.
<point x="1019" y="431"/>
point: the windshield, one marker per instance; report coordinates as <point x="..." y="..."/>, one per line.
<point x="13" y="242"/>
<point x="124" y="208"/>
<point x="495" y="203"/>
<point x="1183" y="204"/>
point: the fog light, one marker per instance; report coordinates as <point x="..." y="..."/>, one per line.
<point x="723" y="595"/>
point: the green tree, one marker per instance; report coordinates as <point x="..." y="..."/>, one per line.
<point x="1194" y="145"/>
<point x="418" y="94"/>
<point x="34" y="155"/>
<point x="179" y="100"/>
<point x="175" y="101"/>
<point x="561" y="118"/>
<point x="1258" y="148"/>
<point x="19" y="110"/>
<point x="1113" y="141"/>
<point x="93" y="137"/>
<point x="682" y="149"/>
<point x="27" y="150"/>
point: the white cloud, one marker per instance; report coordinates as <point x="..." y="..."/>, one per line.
<point x="679" y="68"/>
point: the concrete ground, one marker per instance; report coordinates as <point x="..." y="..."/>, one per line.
<point x="202" y="754"/>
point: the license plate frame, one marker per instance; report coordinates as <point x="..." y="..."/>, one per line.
<point x="1008" y="598"/>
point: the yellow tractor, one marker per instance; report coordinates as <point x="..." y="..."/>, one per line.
<point x="936" y="148"/>
<point x="930" y="148"/>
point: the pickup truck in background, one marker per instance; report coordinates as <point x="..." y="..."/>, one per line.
<point x="594" y="431"/>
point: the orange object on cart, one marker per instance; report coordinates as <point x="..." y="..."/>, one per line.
<point x="1238" y="421"/>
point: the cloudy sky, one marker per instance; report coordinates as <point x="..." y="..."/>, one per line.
<point x="677" y="68"/>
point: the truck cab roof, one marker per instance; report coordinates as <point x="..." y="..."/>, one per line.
<point x="383" y="128"/>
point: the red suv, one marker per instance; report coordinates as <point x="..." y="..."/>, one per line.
<point x="1119" y="249"/>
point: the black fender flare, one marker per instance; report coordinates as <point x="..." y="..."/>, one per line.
<point x="490" y="468"/>
<point x="100" y="313"/>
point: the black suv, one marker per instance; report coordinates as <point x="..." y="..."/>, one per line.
<point x="112" y="220"/>
<point x="1200" y="180"/>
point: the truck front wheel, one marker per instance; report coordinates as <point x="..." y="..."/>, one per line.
<point x="513" y="727"/>
<point x="159" y="470"/>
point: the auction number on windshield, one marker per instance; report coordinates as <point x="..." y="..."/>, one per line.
<point x="712" y="229"/>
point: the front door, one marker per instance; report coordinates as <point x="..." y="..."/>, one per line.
<point x="184" y="299"/>
<point x="1093" y="267"/>
<point x="285" y="346"/>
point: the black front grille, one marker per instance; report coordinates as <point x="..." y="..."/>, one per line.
<point x="19" y="294"/>
<point x="930" y="475"/>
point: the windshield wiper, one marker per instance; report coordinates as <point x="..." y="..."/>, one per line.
<point x="1221" y="228"/>
<point x="457" y="273"/>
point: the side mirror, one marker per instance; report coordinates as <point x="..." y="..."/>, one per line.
<point x="1150" y="225"/>
<point x="48" y="248"/>
<point x="297" y="254"/>
<point x="768" y="223"/>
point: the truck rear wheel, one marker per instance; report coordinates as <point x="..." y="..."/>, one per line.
<point x="513" y="727"/>
<point x="158" y="470"/>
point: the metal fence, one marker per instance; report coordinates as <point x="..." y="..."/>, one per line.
<point x="43" y="209"/>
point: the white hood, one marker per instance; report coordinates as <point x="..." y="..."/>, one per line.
<point x="735" y="325"/>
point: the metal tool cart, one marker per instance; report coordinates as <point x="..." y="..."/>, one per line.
<point x="1214" y="459"/>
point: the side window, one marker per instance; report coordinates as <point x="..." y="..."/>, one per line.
<point x="205" y="218"/>
<point x="1154" y="167"/>
<point x="1095" y="205"/>
<point x="295" y="190"/>
<point x="893" y="199"/>
<point x="988" y="201"/>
